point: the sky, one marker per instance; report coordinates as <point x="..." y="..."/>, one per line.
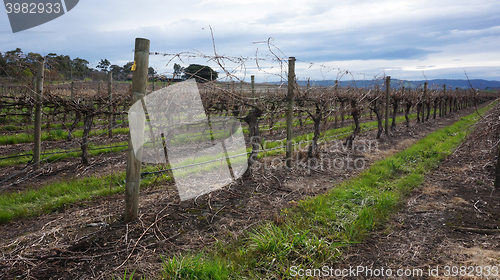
<point x="410" y="40"/>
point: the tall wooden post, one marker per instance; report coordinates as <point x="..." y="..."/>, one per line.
<point x="139" y="89"/>
<point x="444" y="101"/>
<point x="110" y="93"/>
<point x="38" y="113"/>
<point x="29" y="118"/>
<point x="387" y="101"/>
<point x="289" y="113"/>
<point x="426" y="84"/>
<point x="497" y="172"/>
<point x="253" y="85"/>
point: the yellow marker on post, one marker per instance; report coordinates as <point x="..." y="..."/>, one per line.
<point x="133" y="67"/>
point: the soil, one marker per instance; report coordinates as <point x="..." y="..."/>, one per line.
<point x="89" y="240"/>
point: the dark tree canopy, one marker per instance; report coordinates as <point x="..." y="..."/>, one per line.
<point x="151" y="71"/>
<point x="103" y="65"/>
<point x="200" y="72"/>
<point x="115" y="70"/>
<point x="178" y="70"/>
<point x="128" y="67"/>
<point x="19" y="66"/>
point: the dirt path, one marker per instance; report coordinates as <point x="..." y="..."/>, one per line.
<point x="88" y="240"/>
<point x="450" y="224"/>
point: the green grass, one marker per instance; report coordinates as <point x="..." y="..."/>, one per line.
<point x="94" y="150"/>
<point x="58" y="195"/>
<point x="313" y="233"/>
<point x="195" y="267"/>
<point x="52" y="126"/>
<point x="55" y="134"/>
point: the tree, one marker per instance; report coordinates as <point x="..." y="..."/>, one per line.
<point x="103" y="65"/>
<point x="60" y="63"/>
<point x="151" y="71"/>
<point x="200" y="72"/>
<point x="18" y="66"/>
<point x="13" y="60"/>
<point x="116" y="70"/>
<point x="127" y="67"/>
<point x="3" y="65"/>
<point x="178" y="70"/>
<point x="80" y="67"/>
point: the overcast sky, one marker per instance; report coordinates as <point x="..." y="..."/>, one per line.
<point x="403" y="39"/>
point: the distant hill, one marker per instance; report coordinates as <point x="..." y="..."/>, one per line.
<point x="395" y="83"/>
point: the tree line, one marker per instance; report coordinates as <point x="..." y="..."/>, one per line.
<point x="19" y="66"/>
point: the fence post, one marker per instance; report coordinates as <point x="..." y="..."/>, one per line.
<point x="139" y="89"/>
<point x="31" y="96"/>
<point x="497" y="172"/>
<point x="110" y="92"/>
<point x="289" y="113"/>
<point x="387" y="101"/>
<point x="38" y="113"/>
<point x="444" y="101"/>
<point x="426" y="84"/>
<point x="253" y="85"/>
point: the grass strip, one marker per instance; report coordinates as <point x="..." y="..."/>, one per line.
<point x="58" y="195"/>
<point x="54" y="135"/>
<point x="312" y="234"/>
<point x="58" y="154"/>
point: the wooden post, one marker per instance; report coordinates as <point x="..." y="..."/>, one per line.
<point x="29" y="118"/>
<point x="497" y="172"/>
<point x="444" y="99"/>
<point x="387" y="101"/>
<point x="110" y="92"/>
<point x="289" y="113"/>
<point x="139" y="89"/>
<point x="72" y="90"/>
<point x="38" y="114"/>
<point x="425" y="103"/>
<point x="253" y="85"/>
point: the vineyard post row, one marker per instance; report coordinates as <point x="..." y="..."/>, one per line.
<point x="318" y="103"/>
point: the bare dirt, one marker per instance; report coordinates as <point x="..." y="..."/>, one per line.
<point x="89" y="240"/>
